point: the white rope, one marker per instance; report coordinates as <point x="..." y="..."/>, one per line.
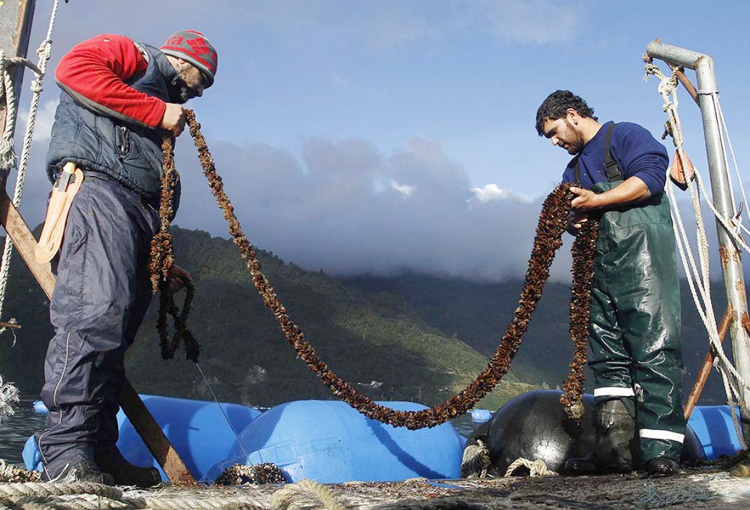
<point x="475" y="461"/>
<point x="714" y="95"/>
<point x="282" y="499"/>
<point x="7" y="155"/>
<point x="59" y="495"/>
<point x="16" y="474"/>
<point x="668" y="87"/>
<point x="725" y="131"/>
<point x="44" y="52"/>
<point x="536" y="467"/>
<point x="9" y="397"/>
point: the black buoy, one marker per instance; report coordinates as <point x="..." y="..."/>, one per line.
<point x="534" y="426"/>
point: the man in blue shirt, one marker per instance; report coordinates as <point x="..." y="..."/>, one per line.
<point x="634" y="332"/>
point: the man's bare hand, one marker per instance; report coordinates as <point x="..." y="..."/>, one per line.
<point x="174" y="119"/>
<point x="575" y="221"/>
<point x="177" y="278"/>
<point x="585" y="200"/>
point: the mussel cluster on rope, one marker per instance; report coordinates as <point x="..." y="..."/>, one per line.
<point x="553" y="222"/>
<point x="160" y="263"/>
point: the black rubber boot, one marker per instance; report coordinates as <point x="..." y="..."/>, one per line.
<point x="108" y="456"/>
<point x="125" y="473"/>
<point x="82" y="471"/>
<point x="615" y="429"/>
<point x="662" y="466"/>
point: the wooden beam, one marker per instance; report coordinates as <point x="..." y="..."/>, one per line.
<point x="708" y="364"/>
<point x="131" y="403"/>
<point x="158" y="444"/>
<point x="24" y="241"/>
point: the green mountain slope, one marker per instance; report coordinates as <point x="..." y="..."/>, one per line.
<point x="413" y="337"/>
<point x="478" y="314"/>
<point x="374" y="342"/>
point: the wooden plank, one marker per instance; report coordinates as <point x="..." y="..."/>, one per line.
<point x="708" y="364"/>
<point x="24" y="241"/>
<point x="158" y="444"/>
<point x="130" y="401"/>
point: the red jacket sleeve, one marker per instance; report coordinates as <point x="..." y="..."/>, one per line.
<point x="95" y="73"/>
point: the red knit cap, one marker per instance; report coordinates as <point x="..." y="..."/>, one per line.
<point x="193" y="47"/>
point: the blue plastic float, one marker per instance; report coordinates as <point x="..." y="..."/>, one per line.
<point x="326" y="441"/>
<point x="481" y="415"/>
<point x="715" y="430"/>
<point x="197" y="429"/>
<point x="329" y="442"/>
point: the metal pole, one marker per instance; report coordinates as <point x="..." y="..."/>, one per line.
<point x="16" y="17"/>
<point x="730" y="255"/>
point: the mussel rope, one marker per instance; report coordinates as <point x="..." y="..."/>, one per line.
<point x="161" y="261"/>
<point x="552" y="224"/>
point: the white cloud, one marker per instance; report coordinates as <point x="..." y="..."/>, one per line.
<point x="405" y="190"/>
<point x="493" y="192"/>
<point x="347" y="212"/>
<point x="45" y="117"/>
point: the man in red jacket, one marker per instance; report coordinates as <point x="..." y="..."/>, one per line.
<point x="119" y="96"/>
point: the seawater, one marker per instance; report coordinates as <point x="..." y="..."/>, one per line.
<point x="464" y="425"/>
<point x="16" y="429"/>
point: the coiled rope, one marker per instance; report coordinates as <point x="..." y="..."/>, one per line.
<point x="73" y="496"/>
<point x="93" y="496"/>
<point x="25" y="492"/>
<point x="552" y="224"/>
<point x="9" y="397"/>
<point x="283" y="498"/>
<point x="475" y="460"/>
<point x="535" y="467"/>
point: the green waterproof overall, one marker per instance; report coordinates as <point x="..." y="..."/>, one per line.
<point x="635" y="320"/>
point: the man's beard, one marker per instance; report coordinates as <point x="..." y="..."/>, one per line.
<point x="179" y="91"/>
<point x="185" y="93"/>
<point x="575" y="146"/>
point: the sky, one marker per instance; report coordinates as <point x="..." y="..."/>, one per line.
<point x="381" y="136"/>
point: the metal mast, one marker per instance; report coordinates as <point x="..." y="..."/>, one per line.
<point x="16" y="17"/>
<point x="730" y="255"/>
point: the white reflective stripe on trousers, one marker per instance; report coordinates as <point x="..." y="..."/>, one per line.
<point x="661" y="434"/>
<point x="614" y="392"/>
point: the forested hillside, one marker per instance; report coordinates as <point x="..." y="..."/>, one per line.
<point x="479" y="313"/>
<point x="376" y="343"/>
<point x="413" y="337"/>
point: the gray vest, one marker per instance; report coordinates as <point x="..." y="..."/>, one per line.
<point x="104" y="142"/>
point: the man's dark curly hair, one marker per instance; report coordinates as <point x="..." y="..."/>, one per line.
<point x="556" y="105"/>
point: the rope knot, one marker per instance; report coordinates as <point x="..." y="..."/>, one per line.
<point x="536" y="467"/>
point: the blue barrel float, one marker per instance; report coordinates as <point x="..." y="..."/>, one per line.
<point x="197" y="429"/>
<point x="329" y="442"/>
<point x="325" y="441"/>
<point x="715" y="429"/>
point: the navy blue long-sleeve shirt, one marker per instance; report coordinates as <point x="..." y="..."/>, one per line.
<point x="635" y="150"/>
